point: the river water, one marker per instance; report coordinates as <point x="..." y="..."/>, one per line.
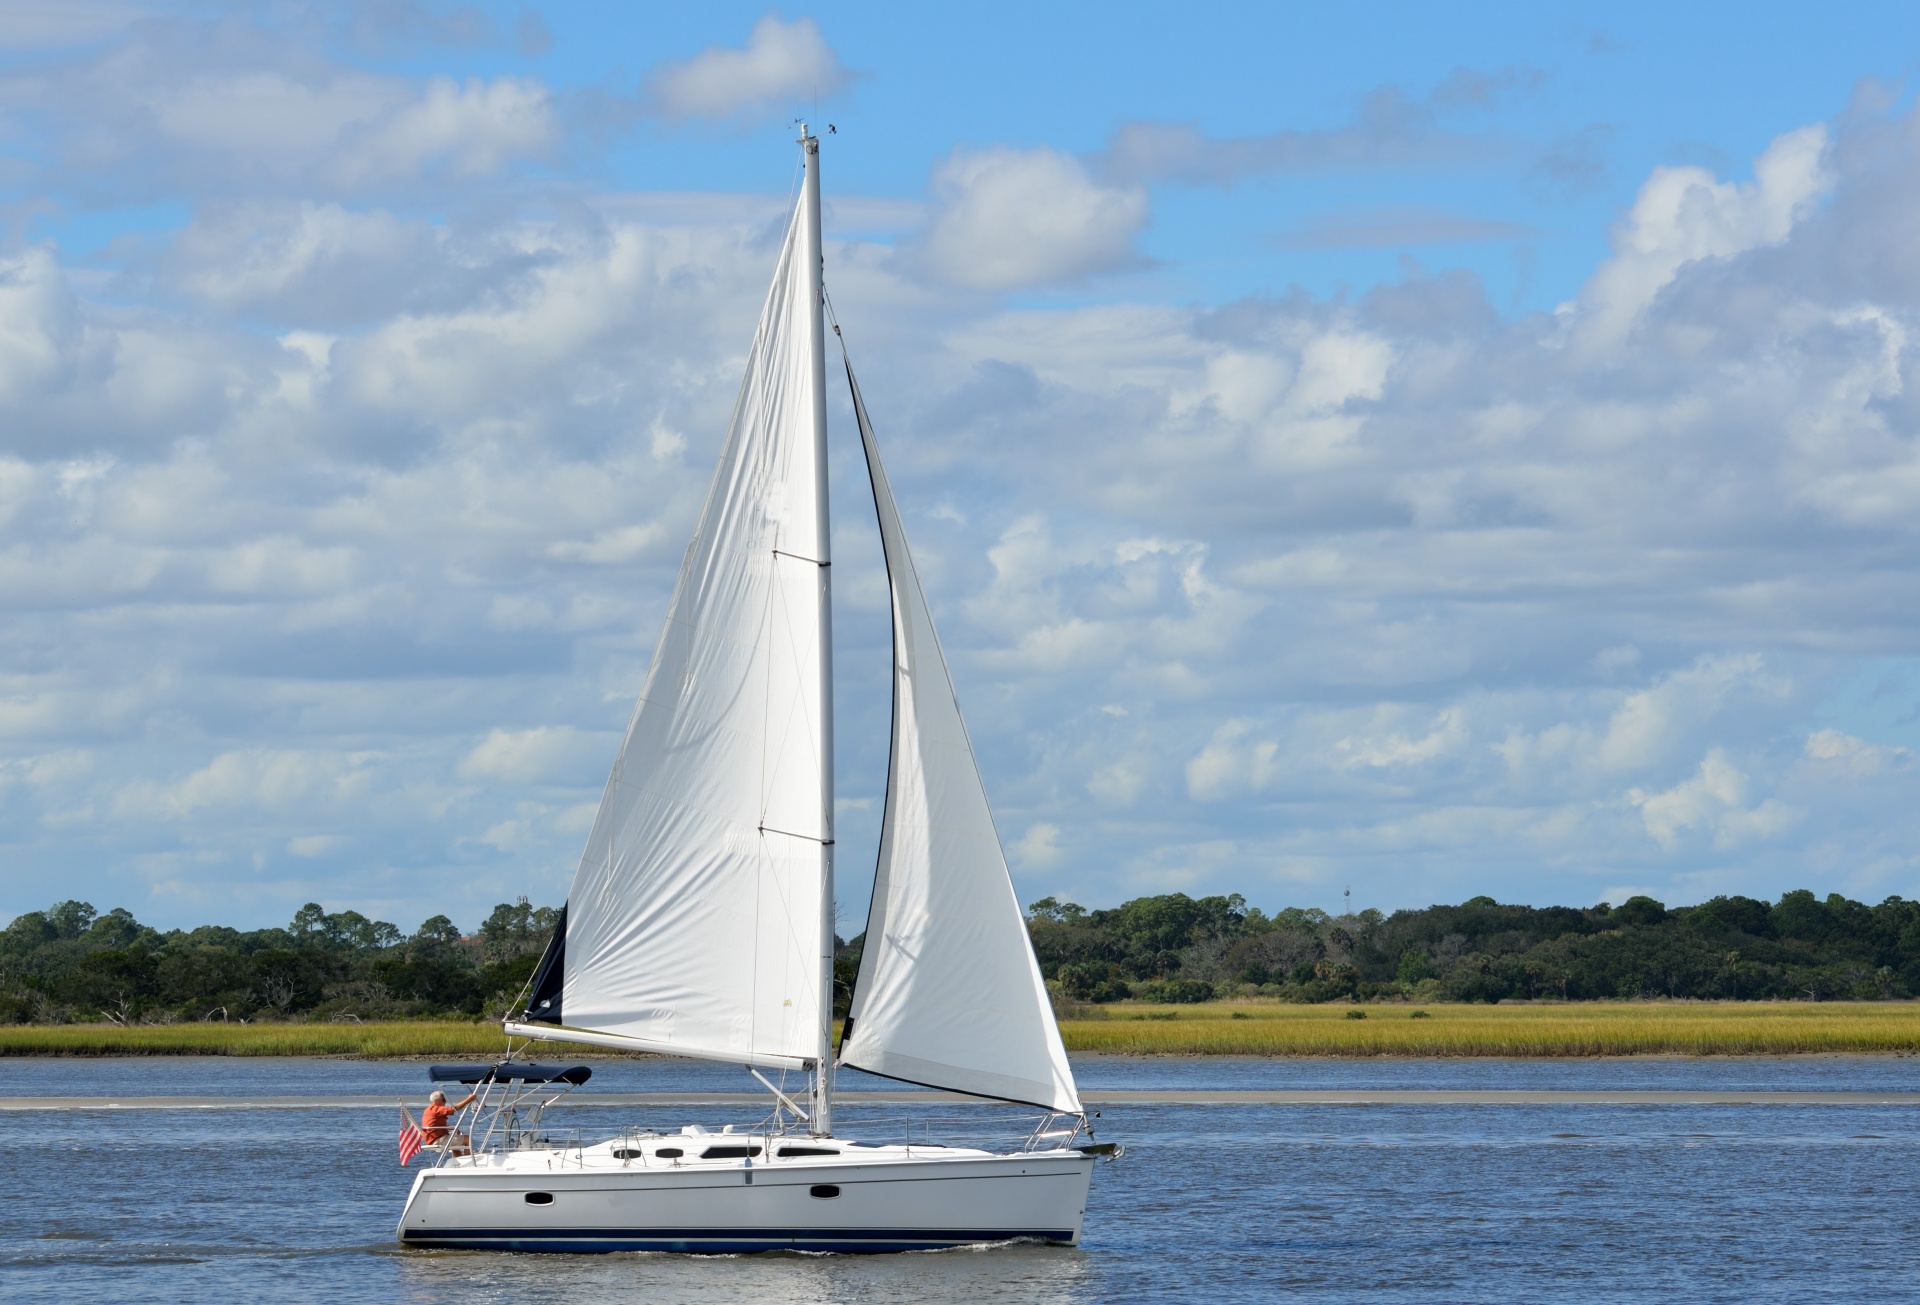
<point x="1216" y="1204"/>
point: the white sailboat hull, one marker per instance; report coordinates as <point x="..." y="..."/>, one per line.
<point x="883" y="1199"/>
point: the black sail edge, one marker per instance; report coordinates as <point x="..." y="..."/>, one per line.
<point x="877" y="902"/>
<point x="941" y="1087"/>
<point x="543" y="1002"/>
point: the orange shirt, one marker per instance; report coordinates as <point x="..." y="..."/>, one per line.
<point x="433" y="1121"/>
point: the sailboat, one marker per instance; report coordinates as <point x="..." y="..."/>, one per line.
<point x="700" y="920"/>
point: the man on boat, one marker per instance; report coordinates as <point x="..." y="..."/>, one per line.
<point x="435" y="1118"/>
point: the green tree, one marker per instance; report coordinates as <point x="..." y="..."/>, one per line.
<point x="437" y="929"/>
<point x="1802" y="916"/>
<point x="1052" y="908"/>
<point x="1414" y="966"/>
<point x="1639" y="911"/>
<point x="309" y="922"/>
<point x="1732" y="915"/>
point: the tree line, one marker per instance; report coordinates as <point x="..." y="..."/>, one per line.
<point x="1176" y="948"/>
<point x="71" y="963"/>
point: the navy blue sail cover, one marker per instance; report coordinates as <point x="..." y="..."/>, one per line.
<point x="574" y="1074"/>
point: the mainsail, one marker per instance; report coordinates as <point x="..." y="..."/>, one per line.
<point x="694" y="925"/>
<point x="949" y="993"/>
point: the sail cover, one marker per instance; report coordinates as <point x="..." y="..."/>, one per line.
<point x="949" y="993"/>
<point x="694" y="921"/>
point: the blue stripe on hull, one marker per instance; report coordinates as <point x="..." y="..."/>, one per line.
<point x="715" y="1241"/>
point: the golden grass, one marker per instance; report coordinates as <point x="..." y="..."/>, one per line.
<point x="1585" y="1029"/>
<point x="1214" y="1029"/>
<point x="397" y="1038"/>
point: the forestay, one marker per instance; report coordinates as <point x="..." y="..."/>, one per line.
<point x="949" y="992"/>
<point x="694" y="923"/>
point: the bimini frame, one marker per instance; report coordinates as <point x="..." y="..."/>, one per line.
<point x="509" y="1101"/>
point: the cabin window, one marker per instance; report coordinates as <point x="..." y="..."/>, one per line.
<point x="627" y="1153"/>
<point x="669" y="1153"/>
<point x="539" y="1198"/>
<point x="787" y="1152"/>
<point x="825" y="1191"/>
<point x="729" y="1152"/>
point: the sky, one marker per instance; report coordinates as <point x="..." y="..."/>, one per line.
<point x="1425" y="451"/>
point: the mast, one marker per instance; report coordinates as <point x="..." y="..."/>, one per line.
<point x="822" y="1121"/>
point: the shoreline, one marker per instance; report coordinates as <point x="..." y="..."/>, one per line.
<point x="1095" y="1101"/>
<point x="1557" y="1031"/>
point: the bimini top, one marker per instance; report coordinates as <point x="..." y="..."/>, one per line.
<point x="576" y="1074"/>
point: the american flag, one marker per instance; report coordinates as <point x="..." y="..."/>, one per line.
<point x="411" y="1138"/>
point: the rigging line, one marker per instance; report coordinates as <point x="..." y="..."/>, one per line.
<point x="753" y="979"/>
<point x="788" y="833"/>
<point x="525" y="994"/>
<point x="782" y="885"/>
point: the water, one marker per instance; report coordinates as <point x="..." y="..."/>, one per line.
<point x="1215" y="1204"/>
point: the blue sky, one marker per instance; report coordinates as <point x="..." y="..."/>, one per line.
<point x="1546" y="121"/>
<point x="1434" y="451"/>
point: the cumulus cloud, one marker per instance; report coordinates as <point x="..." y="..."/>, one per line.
<point x="1392" y="748"/>
<point x="1854" y="756"/>
<point x="1685" y="214"/>
<point x="228" y="106"/>
<point x="1647" y="724"/>
<point x="781" y="62"/>
<point x="39" y="322"/>
<point x="252" y="779"/>
<point x="1231" y="763"/>
<point x="469" y="128"/>
<point x="324" y="265"/>
<point x="539" y="755"/>
<point x="1039" y="847"/>
<point x="1598" y="481"/>
<point x="1714" y="799"/>
<point x="1006" y="219"/>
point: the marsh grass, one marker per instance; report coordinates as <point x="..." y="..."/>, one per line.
<point x="397" y="1038"/>
<point x="1584" y="1029"/>
<point x="1216" y="1029"/>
